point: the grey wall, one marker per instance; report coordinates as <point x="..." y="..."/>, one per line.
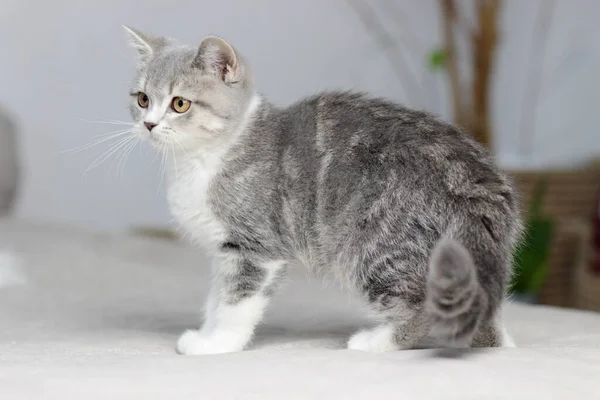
<point x="66" y="61"/>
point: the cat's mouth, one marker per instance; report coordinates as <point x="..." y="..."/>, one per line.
<point x="159" y="140"/>
<point x="150" y="137"/>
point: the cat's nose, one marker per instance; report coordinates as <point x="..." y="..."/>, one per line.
<point x="149" y="125"/>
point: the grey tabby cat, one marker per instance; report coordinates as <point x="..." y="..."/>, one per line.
<point x="408" y="211"/>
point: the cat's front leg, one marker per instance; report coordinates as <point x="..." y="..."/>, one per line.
<point x="239" y="294"/>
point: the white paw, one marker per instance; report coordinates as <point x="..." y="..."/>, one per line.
<point x="378" y="340"/>
<point x="194" y="342"/>
<point x="507" y="340"/>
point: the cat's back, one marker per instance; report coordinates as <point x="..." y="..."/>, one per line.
<point x="377" y="136"/>
<point x="376" y="144"/>
<point x="344" y="120"/>
<point x="350" y="118"/>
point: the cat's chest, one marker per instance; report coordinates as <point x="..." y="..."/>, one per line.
<point x="190" y="205"/>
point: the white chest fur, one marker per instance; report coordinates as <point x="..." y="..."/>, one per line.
<point x="188" y="202"/>
<point x="189" y="186"/>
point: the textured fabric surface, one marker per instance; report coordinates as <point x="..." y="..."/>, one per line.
<point x="86" y="315"/>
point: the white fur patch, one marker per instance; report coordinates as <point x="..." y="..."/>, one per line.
<point x="507" y="340"/>
<point x="229" y="329"/>
<point x="380" y="339"/>
<point x="188" y="201"/>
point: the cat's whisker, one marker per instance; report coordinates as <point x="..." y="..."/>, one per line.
<point x="124" y="155"/>
<point x="121" y="152"/>
<point x="110" y="152"/>
<point x="156" y="154"/>
<point x="135" y="143"/>
<point x="163" y="165"/>
<point x="181" y="146"/>
<point x="123" y="158"/>
<point x="173" y="137"/>
<point x="102" y="135"/>
<point x="174" y="156"/>
<point x="108" y="121"/>
<point x="111" y="136"/>
<point x="119" y="121"/>
<point x="107" y="154"/>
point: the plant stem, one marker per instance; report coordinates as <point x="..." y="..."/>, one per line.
<point x="448" y="21"/>
<point x="483" y="46"/>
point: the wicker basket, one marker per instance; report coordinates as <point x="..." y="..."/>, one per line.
<point x="570" y="196"/>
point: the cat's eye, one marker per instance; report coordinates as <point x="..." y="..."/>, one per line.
<point x="143" y="100"/>
<point x="180" y="105"/>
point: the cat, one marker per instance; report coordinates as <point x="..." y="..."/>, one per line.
<point x="406" y="210"/>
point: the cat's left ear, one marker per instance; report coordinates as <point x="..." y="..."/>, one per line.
<point x="145" y="44"/>
<point x="217" y="57"/>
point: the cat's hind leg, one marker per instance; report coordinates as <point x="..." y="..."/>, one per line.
<point x="399" y="334"/>
<point x="394" y="286"/>
<point x="492" y="334"/>
<point x="379" y="339"/>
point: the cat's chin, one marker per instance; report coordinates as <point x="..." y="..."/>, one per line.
<point x="170" y="148"/>
<point x="142" y="134"/>
<point x="154" y="141"/>
<point x="162" y="148"/>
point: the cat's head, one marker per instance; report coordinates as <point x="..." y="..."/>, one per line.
<point x="188" y="98"/>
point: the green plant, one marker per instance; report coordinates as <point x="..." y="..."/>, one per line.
<point x="531" y="256"/>
<point x="436" y="59"/>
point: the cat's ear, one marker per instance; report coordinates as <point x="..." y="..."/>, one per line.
<point x="145" y="44"/>
<point x="216" y="56"/>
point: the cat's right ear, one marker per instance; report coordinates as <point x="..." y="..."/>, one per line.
<point x="217" y="57"/>
<point x="145" y="44"/>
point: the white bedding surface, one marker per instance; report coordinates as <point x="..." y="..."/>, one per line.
<point x="96" y="316"/>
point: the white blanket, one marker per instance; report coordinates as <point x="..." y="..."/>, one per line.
<point x="91" y="316"/>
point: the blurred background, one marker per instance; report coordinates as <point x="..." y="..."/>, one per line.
<point x="522" y="76"/>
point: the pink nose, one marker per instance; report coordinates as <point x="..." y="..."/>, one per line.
<point x="149" y="125"/>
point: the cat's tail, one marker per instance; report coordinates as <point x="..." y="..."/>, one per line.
<point x="457" y="302"/>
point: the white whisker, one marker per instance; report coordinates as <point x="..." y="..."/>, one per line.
<point x="108" y="121"/>
<point x="124" y="155"/>
<point x="174" y="156"/>
<point x="163" y="166"/>
<point x="112" y="135"/>
<point x="102" y="135"/>
<point x="156" y="154"/>
<point x="120" y="144"/>
<point x="181" y="146"/>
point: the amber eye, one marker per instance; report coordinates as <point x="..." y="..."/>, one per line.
<point x="143" y="100"/>
<point x="180" y="105"/>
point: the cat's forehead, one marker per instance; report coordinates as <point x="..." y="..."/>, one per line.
<point x="169" y="69"/>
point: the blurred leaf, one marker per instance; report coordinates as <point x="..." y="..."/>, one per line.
<point x="538" y="196"/>
<point x="540" y="240"/>
<point x="531" y="255"/>
<point x="436" y="59"/>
